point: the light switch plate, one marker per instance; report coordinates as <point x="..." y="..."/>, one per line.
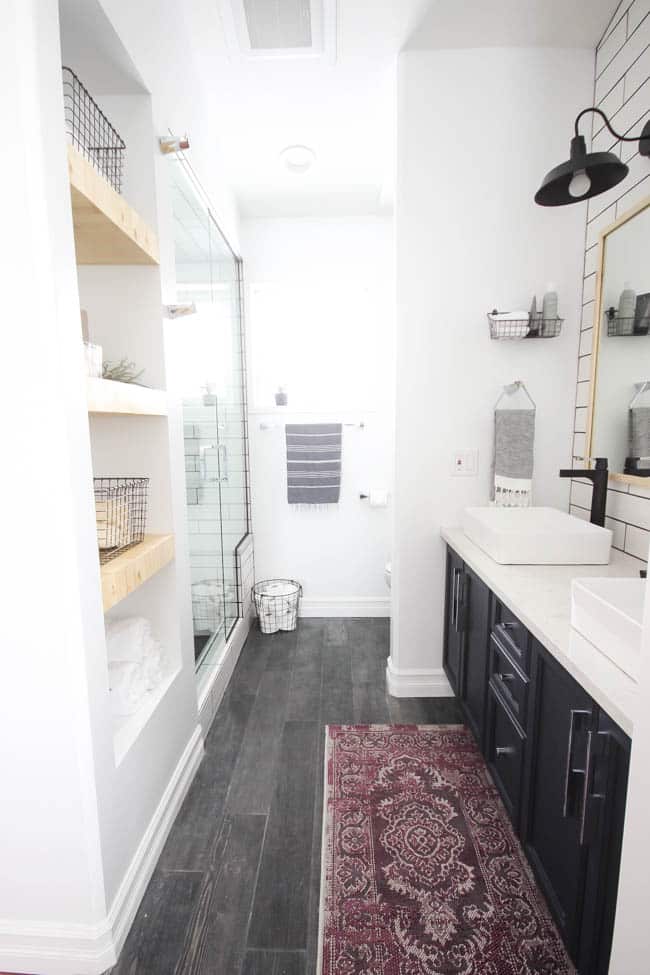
<point x="465" y="463"/>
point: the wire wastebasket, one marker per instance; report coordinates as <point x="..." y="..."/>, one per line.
<point x="276" y="603"/>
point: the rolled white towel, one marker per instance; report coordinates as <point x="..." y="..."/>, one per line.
<point x="128" y="685"/>
<point x="127" y="639"/>
<point x="152" y="665"/>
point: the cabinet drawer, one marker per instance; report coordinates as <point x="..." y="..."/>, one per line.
<point x="512" y="634"/>
<point x="505" y="755"/>
<point x="508" y="680"/>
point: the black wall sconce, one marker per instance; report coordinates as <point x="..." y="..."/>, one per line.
<point x="587" y="174"/>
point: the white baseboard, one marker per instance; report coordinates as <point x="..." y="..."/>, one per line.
<point x="354" y="606"/>
<point x="90" y="949"/>
<point x="411" y="682"/>
<point x="131" y="890"/>
<point x="217" y="682"/>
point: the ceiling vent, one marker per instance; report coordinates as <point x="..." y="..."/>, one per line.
<point x="286" y="29"/>
<point x="278" y="25"/>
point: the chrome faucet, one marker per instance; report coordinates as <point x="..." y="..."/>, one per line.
<point x="598" y="476"/>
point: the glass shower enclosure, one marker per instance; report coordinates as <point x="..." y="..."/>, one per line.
<point x="208" y="368"/>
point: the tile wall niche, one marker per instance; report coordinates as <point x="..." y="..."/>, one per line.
<point x="622" y="91"/>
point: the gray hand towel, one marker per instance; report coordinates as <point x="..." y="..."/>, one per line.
<point x="514" y="438"/>
<point x="313" y="462"/>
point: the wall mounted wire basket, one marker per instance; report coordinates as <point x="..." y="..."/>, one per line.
<point x="618" y="326"/>
<point x="121" y="513"/>
<point x="90" y="132"/>
<point x="532" y="327"/>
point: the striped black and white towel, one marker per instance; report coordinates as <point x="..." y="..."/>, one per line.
<point x="313" y="463"/>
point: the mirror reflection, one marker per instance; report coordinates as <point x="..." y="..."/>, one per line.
<point x="621" y="407"/>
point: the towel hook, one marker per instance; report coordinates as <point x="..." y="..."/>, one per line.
<point x="511" y="389"/>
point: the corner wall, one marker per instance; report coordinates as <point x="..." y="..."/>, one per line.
<point x="622" y="91"/>
<point x="477" y="130"/>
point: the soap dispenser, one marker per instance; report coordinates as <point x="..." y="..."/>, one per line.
<point x="549" y="311"/>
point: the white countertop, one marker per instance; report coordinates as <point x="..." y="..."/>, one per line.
<point x="540" y="596"/>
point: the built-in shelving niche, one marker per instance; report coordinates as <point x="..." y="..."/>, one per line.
<point x="117" y="255"/>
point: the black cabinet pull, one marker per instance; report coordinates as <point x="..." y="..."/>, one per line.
<point x="585" y="788"/>
<point x="595" y="743"/>
<point x="454" y="599"/>
<point x="574" y="713"/>
<point x="458" y="598"/>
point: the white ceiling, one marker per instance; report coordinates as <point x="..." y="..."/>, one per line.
<point x="341" y="104"/>
<point x="343" y="107"/>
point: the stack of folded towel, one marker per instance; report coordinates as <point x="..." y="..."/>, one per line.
<point x="135" y="662"/>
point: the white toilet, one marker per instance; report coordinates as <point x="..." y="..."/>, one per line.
<point x="388" y="568"/>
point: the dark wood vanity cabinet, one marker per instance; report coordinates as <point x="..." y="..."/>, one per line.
<point x="467" y="618"/>
<point x="553" y="826"/>
<point x="559" y="762"/>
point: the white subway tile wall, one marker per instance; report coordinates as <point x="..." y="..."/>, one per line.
<point x="622" y="91"/>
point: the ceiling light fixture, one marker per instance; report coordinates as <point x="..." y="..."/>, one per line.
<point x="587" y="174"/>
<point x="298" y="159"/>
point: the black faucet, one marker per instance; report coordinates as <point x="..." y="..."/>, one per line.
<point x="599" y="476"/>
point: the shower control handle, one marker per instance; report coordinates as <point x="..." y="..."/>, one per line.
<point x="222" y="451"/>
<point x="203" y="460"/>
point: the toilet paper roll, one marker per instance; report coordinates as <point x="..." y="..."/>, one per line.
<point x="378" y="499"/>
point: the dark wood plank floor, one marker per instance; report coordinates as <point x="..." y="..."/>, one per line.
<point x="236" y="891"/>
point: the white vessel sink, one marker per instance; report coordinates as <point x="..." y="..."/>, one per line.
<point x="609" y="613"/>
<point x="536" y="536"/>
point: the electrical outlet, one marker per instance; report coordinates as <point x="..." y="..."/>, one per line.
<point x="465" y="463"/>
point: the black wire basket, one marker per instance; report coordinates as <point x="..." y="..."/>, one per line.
<point x="121" y="513"/>
<point x="533" y="327"/>
<point x="90" y="132"/>
<point x="619" y="327"/>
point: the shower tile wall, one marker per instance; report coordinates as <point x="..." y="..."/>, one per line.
<point x="217" y="515"/>
<point x="622" y="90"/>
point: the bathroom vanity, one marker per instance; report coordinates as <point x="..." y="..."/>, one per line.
<point x="553" y="720"/>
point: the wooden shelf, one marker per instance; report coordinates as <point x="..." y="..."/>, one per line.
<point x="106" y="229"/>
<point x="108" y="396"/>
<point x="126" y="573"/>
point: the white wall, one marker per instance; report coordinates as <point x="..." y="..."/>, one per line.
<point x="345" y="264"/>
<point x="51" y="876"/>
<point x="477" y="131"/>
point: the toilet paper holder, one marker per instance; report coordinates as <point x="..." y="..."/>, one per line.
<point x="378" y="499"/>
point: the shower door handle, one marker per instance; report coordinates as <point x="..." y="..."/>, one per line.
<point x="203" y="460"/>
<point x="223" y="462"/>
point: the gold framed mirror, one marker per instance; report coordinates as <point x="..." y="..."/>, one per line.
<point x="618" y="424"/>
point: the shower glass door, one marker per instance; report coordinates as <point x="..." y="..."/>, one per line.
<point x="208" y="368"/>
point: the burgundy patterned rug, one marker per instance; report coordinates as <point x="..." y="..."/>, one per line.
<point x="422" y="872"/>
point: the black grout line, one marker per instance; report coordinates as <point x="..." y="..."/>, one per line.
<point x="631" y="65"/>
<point x="613" y="24"/>
<point x="612" y="118"/>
